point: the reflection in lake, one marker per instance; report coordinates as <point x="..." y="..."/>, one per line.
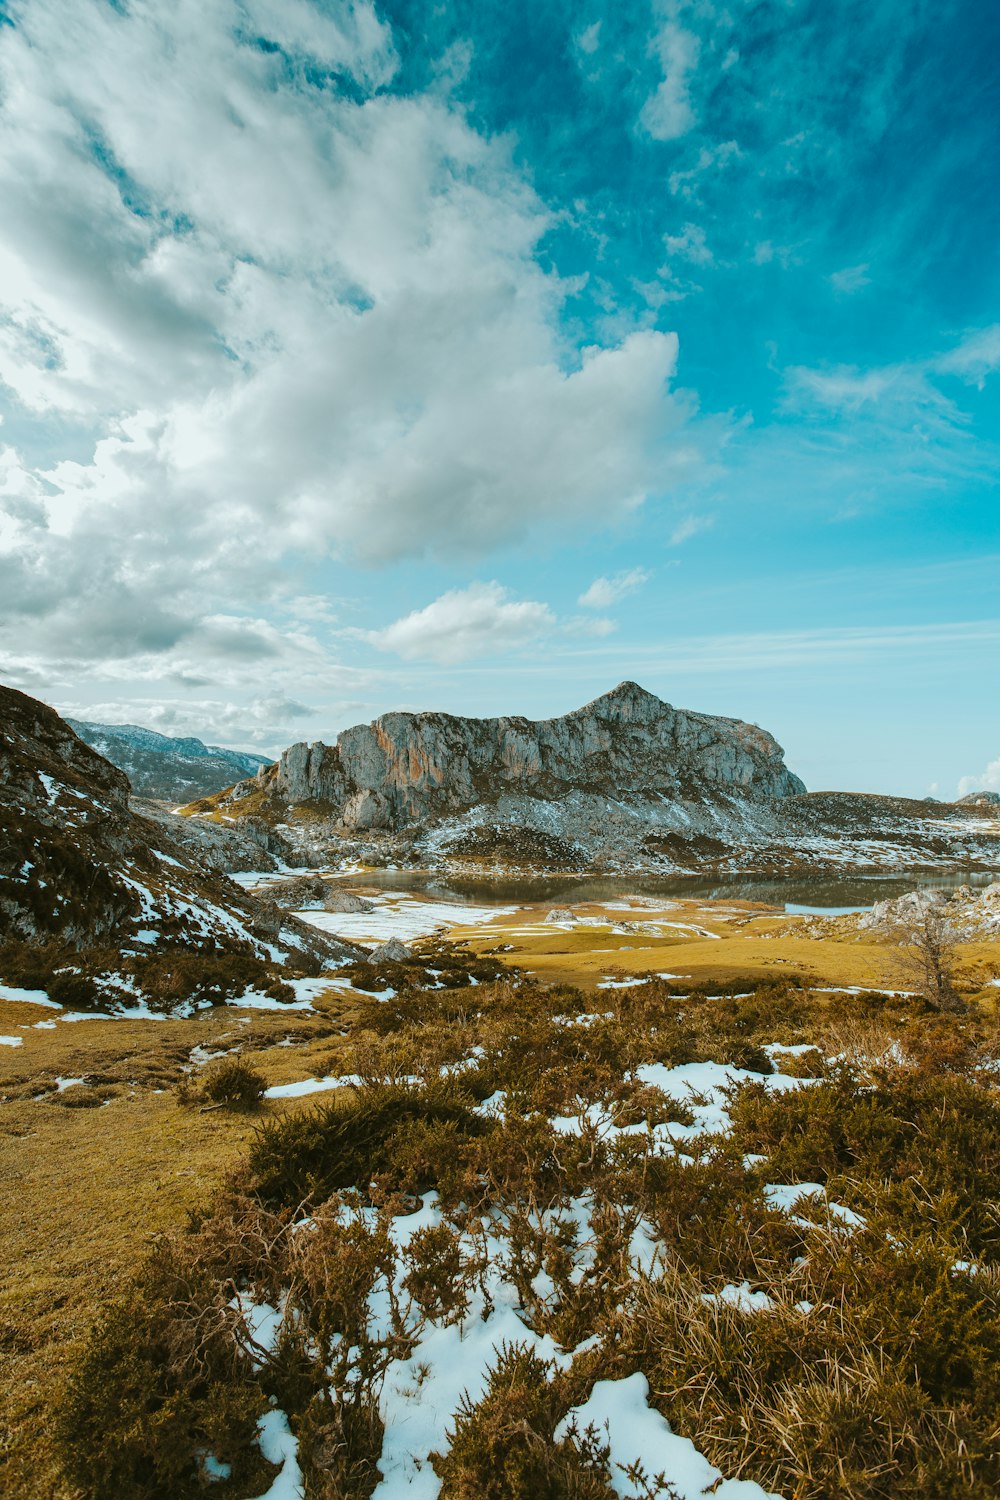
<point x="813" y="892"/>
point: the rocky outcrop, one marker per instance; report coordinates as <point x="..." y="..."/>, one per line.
<point x="164" y="768"/>
<point x="89" y="887"/>
<point x="407" y="769"/>
<point x="250" y="844"/>
<point x="625" y="784"/>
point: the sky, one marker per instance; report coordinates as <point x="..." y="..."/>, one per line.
<point x="479" y="356"/>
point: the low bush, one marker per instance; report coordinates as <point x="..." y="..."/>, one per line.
<point x="351" y="1142"/>
<point x="503" y="1445"/>
<point x="158" y="1386"/>
<point x="235" y="1082"/>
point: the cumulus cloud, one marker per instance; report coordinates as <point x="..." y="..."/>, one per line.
<point x="604" y="592"/>
<point x="479" y="620"/>
<point x="988" y="781"/>
<point x="287" y="315"/>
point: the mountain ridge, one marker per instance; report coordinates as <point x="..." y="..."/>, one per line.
<point x="112" y="908"/>
<point x="407" y="768"/>
<point x="164" y="767"/>
<point x="625" y="783"/>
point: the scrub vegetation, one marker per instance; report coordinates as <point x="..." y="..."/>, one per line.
<point x="778" y="1206"/>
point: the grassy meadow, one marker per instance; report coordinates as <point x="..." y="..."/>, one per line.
<point x="760" y="1190"/>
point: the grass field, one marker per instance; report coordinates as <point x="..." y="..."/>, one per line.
<point x="92" y="1171"/>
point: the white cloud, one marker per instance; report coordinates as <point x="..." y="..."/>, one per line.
<point x="850" y="279"/>
<point x="465" y="623"/>
<point x="604" y="592"/>
<point x="989" y="781"/>
<point x="298" y="321"/>
<point x="588" y="40"/>
<point x="689" y="527"/>
<point x="668" y="113"/>
<point x="977" y="356"/>
<point x="689" y="245"/>
<point x="685" y="183"/>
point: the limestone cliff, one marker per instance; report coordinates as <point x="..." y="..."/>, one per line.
<point x="406" y="769"/>
<point x="626" y="783"/>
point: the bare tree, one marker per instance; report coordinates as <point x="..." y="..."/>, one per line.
<point x="928" y="943"/>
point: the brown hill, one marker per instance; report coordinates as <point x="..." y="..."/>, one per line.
<point x="99" y="905"/>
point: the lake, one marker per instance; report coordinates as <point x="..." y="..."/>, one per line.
<point x="814" y="893"/>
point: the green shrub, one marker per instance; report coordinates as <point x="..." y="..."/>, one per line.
<point x="503" y="1445"/>
<point x="348" y="1143"/>
<point x="156" y="1388"/>
<point x="235" y="1082"/>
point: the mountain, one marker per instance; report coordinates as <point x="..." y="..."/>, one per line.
<point x="979" y="799"/>
<point x="101" y="906"/>
<point x="172" y="770"/>
<point x="408" y="768"/>
<point x="626" y="783"/>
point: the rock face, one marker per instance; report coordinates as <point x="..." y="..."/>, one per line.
<point x="625" y="784"/>
<point x="164" y="768"/>
<point x="407" y="769"/>
<point x="101" y="892"/>
<point x="227" y="847"/>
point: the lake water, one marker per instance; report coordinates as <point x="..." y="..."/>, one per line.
<point x="818" y="893"/>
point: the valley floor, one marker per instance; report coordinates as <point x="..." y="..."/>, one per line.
<point x="103" y="1152"/>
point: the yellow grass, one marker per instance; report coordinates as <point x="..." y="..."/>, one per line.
<point x="83" y="1189"/>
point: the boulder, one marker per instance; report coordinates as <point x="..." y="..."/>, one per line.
<point x="336" y="900"/>
<point x="393" y="952"/>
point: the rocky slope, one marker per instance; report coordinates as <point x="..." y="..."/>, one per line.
<point x="105" y="906"/>
<point x="166" y="769"/>
<point x="626" y="783"/>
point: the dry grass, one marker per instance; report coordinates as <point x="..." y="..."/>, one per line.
<point x="84" y="1189"/>
<point x="740" y="945"/>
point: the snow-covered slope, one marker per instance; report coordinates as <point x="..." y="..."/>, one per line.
<point x="92" y="891"/>
<point x="157" y="766"/>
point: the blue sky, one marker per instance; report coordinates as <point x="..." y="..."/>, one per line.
<point x="477" y="357"/>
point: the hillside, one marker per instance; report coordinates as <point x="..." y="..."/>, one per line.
<point x="167" y="769"/>
<point x="103" y="906"/>
<point x="627" y="783"/>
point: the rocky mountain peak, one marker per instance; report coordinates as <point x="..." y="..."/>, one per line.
<point x="628" y="702"/>
<point x="407" y="769"/>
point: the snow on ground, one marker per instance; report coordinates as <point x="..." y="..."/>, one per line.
<point x="620" y="1411"/>
<point x="28" y="997"/>
<point x="451" y="1357"/>
<point x="11" y="1041"/>
<point x="279" y="1446"/>
<point x="400" y="915"/>
<point x="309" y="1086"/>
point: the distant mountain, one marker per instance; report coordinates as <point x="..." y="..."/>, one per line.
<point x="979" y="799"/>
<point x="165" y="769"/>
<point x="104" y="907"/>
<point x="625" y="783"/>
